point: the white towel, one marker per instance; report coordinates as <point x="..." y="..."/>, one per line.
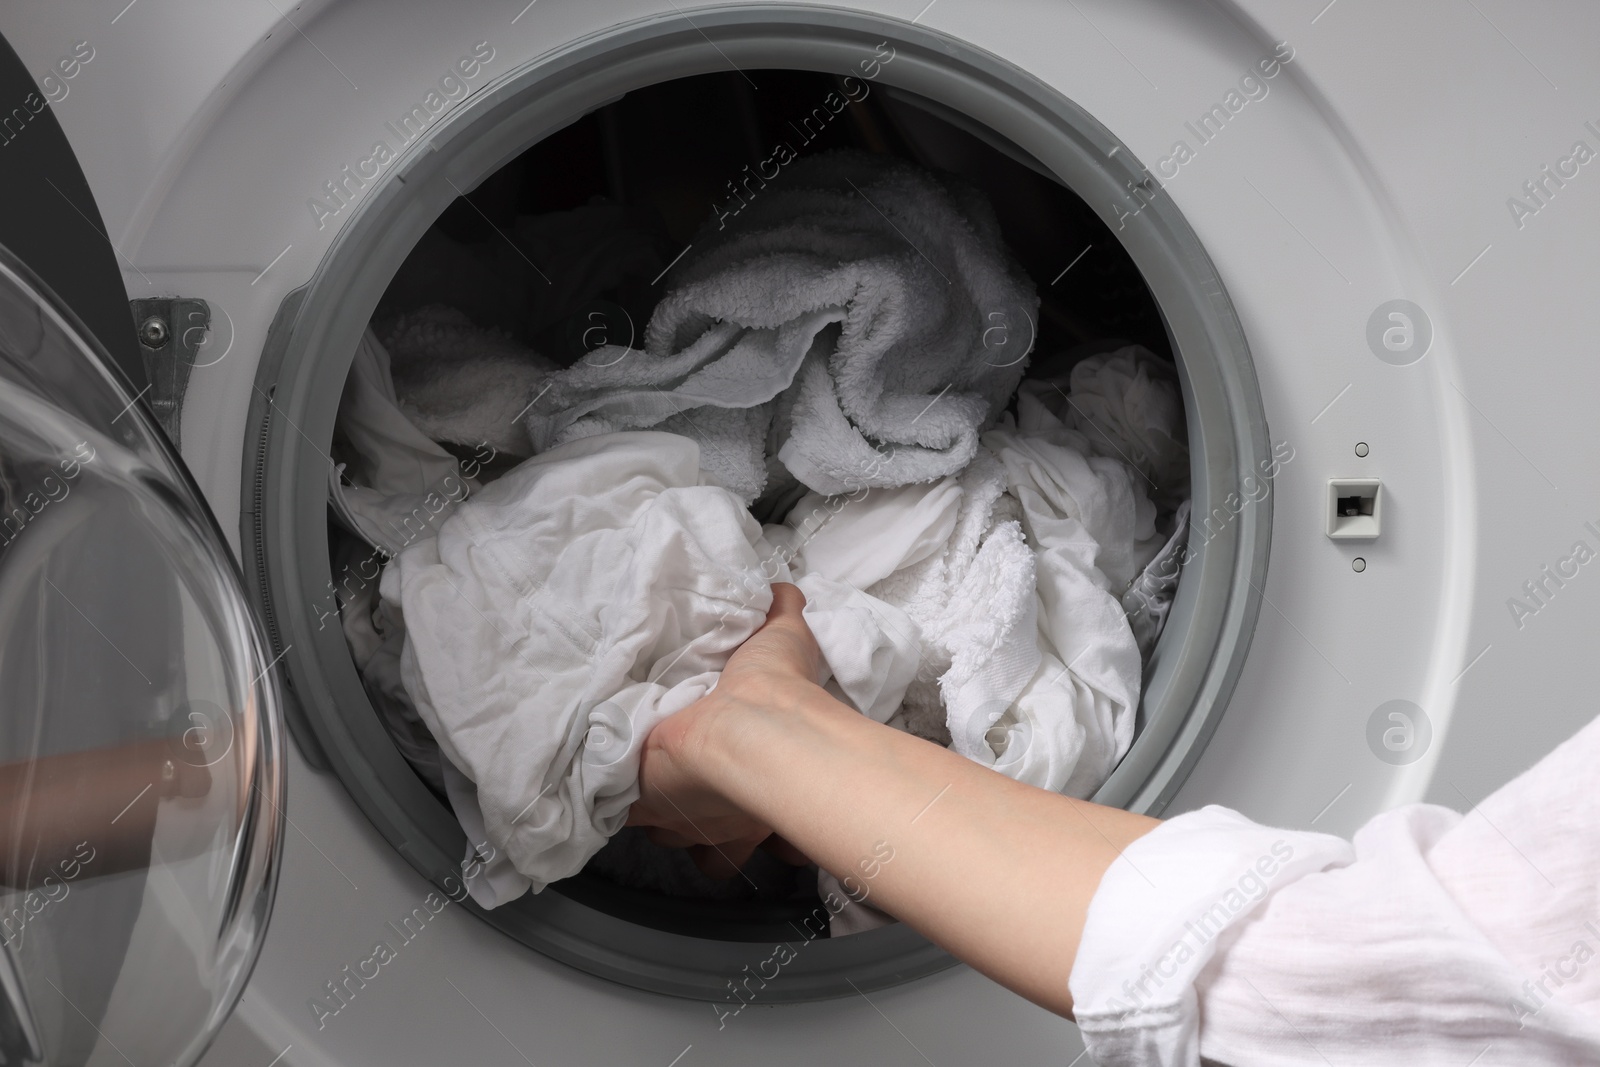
<point x="573" y="604"/>
<point x="461" y="384"/>
<point x="870" y="294"/>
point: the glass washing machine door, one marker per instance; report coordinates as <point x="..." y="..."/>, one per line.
<point x="141" y="769"/>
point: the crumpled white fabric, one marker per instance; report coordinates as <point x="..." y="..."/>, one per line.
<point x="869" y="647"/>
<point x="1148" y="601"/>
<point x="573" y="604"/>
<point x="1012" y="574"/>
<point x="1158" y="918"/>
<point x="873" y="296"/>
<point x="955" y="563"/>
<point x="1433" y="938"/>
<point x="402" y="483"/>
<point x="1127" y="404"/>
<point x="1091" y="531"/>
<point x="377" y="637"/>
<point x="980" y="609"/>
<point x="887" y="529"/>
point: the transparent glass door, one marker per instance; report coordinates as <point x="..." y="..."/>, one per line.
<point x="140" y="752"/>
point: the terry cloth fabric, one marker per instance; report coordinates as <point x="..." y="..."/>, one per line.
<point x="461" y="384"/>
<point x="1434" y="938"/>
<point x="573" y="604"/>
<point x="849" y="321"/>
<point x="402" y="483"/>
<point x="1011" y="574"/>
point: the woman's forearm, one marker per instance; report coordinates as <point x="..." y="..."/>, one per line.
<point x="998" y="873"/>
<point x="102" y="801"/>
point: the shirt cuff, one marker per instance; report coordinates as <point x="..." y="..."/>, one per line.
<point x="1157" y="917"/>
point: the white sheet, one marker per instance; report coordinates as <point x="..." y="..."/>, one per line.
<point x="402" y="483"/>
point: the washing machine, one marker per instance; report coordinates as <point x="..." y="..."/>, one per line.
<point x="1364" y="232"/>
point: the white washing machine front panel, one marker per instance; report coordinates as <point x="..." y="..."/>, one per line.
<point x="1370" y="169"/>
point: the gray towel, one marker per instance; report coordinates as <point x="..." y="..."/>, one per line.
<point x="462" y="384"/>
<point x="859" y="319"/>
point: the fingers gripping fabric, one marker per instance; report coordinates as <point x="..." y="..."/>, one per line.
<point x="573" y="604"/>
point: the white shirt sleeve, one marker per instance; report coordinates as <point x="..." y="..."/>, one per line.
<point x="1432" y="938"/>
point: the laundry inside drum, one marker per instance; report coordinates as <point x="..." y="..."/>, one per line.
<point x="705" y="338"/>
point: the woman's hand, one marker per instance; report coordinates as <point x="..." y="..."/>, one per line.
<point x="999" y="873"/>
<point x="774" y="671"/>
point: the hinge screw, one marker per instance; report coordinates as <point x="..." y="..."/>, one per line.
<point x="153" y="332"/>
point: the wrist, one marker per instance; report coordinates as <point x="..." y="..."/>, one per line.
<point x="757" y="726"/>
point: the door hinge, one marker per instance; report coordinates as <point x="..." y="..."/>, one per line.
<point x="171" y="331"/>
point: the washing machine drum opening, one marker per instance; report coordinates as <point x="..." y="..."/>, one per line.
<point x="680" y="226"/>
